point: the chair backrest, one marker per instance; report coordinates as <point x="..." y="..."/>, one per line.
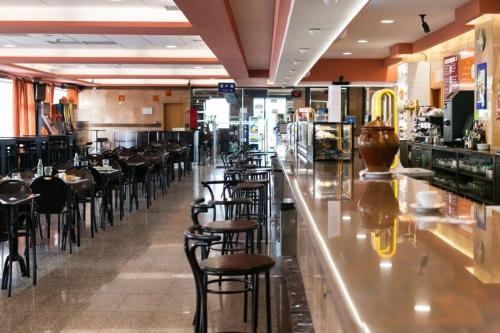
<point x="98" y="179"/>
<point x="83" y="189"/>
<point x="53" y="194"/>
<point x="62" y="165"/>
<point x="142" y="170"/>
<point x="25" y="173"/>
<point x="12" y="188"/>
<point x="199" y="206"/>
<point x="94" y="159"/>
<point x="193" y="240"/>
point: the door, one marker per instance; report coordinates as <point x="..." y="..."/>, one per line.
<point x="173" y="116"/>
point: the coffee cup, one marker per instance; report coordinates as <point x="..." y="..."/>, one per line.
<point x="428" y="198"/>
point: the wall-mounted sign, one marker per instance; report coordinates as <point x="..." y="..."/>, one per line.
<point x="296" y="93"/>
<point x="121" y="98"/>
<point x="466" y="70"/>
<point x="156" y="98"/>
<point x="481" y="88"/>
<point x="147" y="110"/>
<point x="450" y="74"/>
<point x="226" y="87"/>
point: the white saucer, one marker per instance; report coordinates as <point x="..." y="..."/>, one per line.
<point x="375" y="175"/>
<point x="419" y="208"/>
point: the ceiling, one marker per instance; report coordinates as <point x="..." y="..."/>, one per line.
<point x="406" y="27"/>
<point x="91" y="10"/>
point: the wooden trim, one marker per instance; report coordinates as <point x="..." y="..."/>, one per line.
<point x="129" y="125"/>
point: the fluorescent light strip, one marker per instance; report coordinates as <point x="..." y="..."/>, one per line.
<point x="354" y="13"/>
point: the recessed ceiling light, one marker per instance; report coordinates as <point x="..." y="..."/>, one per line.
<point x="198" y="67"/>
<point x="303" y="50"/>
<point x="288" y="78"/>
<point x="82" y="66"/>
<point x="422" y="308"/>
<point x="346" y="53"/>
<point x="387" y="21"/>
<point x="171" y="46"/>
<point x="8" y="45"/>
<point x="292" y="70"/>
<point x="313" y="31"/>
<point x="115" y="0"/>
<point x="297" y="62"/>
<point x="362" y="41"/>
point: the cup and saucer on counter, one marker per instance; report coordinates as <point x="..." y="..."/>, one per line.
<point x="427" y="201"/>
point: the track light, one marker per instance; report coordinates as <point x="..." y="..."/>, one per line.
<point x="425" y="26"/>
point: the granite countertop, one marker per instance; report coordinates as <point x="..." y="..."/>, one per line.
<point x="396" y="270"/>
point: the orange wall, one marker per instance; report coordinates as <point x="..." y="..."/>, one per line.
<point x="372" y="70"/>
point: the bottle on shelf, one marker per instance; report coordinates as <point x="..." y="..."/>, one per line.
<point x="76" y="160"/>
<point x="39" y="168"/>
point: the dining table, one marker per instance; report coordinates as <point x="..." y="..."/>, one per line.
<point x="9" y="203"/>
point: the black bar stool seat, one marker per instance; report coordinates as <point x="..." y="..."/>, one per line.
<point x="236" y="264"/>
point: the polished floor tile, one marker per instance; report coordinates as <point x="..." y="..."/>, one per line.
<point x="133" y="277"/>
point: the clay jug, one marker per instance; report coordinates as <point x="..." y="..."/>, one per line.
<point x="378" y="144"/>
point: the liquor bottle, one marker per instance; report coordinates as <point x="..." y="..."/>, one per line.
<point x="76" y="160"/>
<point x="39" y="168"/>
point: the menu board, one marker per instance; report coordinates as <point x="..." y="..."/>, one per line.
<point x="450" y="74"/>
<point x="466" y="68"/>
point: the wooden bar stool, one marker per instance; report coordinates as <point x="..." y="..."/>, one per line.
<point x="229" y="267"/>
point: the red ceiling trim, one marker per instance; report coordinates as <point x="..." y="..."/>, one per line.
<point x="109" y="60"/>
<point x="374" y="70"/>
<point x="282" y="10"/>
<point x="215" y="24"/>
<point x="96" y="27"/>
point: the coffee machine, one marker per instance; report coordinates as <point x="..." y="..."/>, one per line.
<point x="458" y="114"/>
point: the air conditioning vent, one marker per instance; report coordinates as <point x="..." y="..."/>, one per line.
<point x="171" y="8"/>
<point x="99" y="42"/>
<point x="63" y="42"/>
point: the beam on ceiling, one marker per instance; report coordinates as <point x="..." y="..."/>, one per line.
<point x="281" y="13"/>
<point x="21" y="71"/>
<point x="118" y="76"/>
<point x="109" y="60"/>
<point x="214" y="22"/>
<point x="96" y="27"/>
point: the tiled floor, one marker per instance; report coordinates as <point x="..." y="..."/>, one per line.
<point x="133" y="277"/>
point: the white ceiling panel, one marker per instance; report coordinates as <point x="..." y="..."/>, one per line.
<point x="406" y="28"/>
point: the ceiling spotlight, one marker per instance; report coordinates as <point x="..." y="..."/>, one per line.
<point x="171" y="46"/>
<point x="362" y="41"/>
<point x="387" y="21"/>
<point x="313" y="31"/>
<point x="8" y="45"/>
<point x="346" y="53"/>
<point x="303" y="50"/>
<point x="297" y="62"/>
<point x="425" y="26"/>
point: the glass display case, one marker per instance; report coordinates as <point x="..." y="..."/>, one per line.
<point x="331" y="141"/>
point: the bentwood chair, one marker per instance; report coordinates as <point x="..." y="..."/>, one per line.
<point x="52" y="200"/>
<point x="62" y="165"/>
<point x="25" y="173"/>
<point x="227" y="268"/>
<point x="141" y="174"/>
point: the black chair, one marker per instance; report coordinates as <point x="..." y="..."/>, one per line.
<point x="94" y="159"/>
<point x="62" y="165"/>
<point x="226" y="268"/>
<point x="141" y="174"/>
<point x="84" y="193"/>
<point x="52" y="200"/>
<point x="17" y="222"/>
<point x="25" y="173"/>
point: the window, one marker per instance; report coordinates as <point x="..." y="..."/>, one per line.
<point x="58" y="94"/>
<point x="218" y="108"/>
<point x="6" y="114"/>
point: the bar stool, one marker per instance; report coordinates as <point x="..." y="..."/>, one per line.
<point x="229" y="228"/>
<point x="230" y="267"/>
<point x="255" y="191"/>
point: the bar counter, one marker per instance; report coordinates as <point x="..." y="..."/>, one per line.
<point x="369" y="263"/>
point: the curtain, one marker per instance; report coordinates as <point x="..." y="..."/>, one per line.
<point x="23" y="108"/>
<point x="72" y="95"/>
<point x="49" y="98"/>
